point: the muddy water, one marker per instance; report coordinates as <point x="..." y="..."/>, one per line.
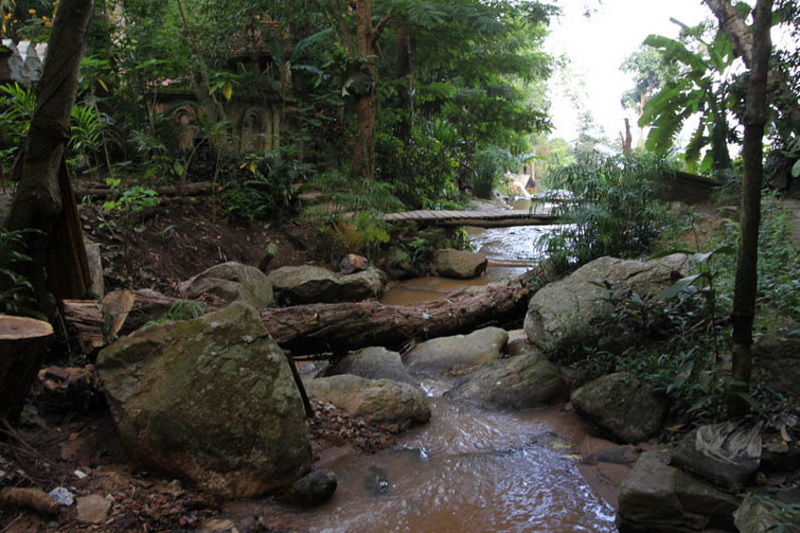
<point x="418" y="290"/>
<point x="511" y="252"/>
<point x="466" y="471"/>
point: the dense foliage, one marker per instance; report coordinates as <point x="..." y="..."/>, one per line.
<point x="613" y="210"/>
<point x="444" y="102"/>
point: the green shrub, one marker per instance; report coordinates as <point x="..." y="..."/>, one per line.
<point x="16" y="292"/>
<point x="614" y="211"/>
<point x="490" y="166"/>
<point x="262" y="187"/>
<point x="16" y="109"/>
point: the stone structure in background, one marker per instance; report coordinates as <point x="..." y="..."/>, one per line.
<point x="21" y="62"/>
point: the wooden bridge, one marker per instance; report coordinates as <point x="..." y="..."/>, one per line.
<point x="494" y="218"/>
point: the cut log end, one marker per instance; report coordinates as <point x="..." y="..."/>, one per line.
<point x="23" y="342"/>
<point x="14" y="328"/>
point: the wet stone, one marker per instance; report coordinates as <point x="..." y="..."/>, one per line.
<point x="313" y="489"/>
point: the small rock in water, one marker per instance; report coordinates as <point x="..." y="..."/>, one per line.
<point x="313" y="489"/>
<point x="377" y="483"/>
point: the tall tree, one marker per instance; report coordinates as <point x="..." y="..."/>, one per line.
<point x="44" y="199"/>
<point x="366" y="37"/>
<point x="358" y="35"/>
<point x="755" y="119"/>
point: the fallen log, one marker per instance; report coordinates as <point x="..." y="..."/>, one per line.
<point x="338" y="327"/>
<point x="95" y="325"/>
<point x="187" y="189"/>
<point x="321" y="328"/>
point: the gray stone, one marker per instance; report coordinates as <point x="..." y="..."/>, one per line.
<point x="521" y="347"/>
<point x="458" y="264"/>
<point x="381" y="401"/>
<point x="313" y="489"/>
<point x="656" y="497"/>
<point x="727" y="454"/>
<point x="373" y="363"/>
<point x="624" y="406"/>
<point x="311" y="284"/>
<point x="515" y="383"/>
<point x="458" y="353"/>
<point x="618" y="455"/>
<point x="212" y="400"/>
<point x="759" y="515"/>
<point x="230" y="282"/>
<point x="564" y="312"/>
<point x="93" y="509"/>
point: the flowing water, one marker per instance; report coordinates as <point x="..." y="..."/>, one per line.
<point x="467" y="470"/>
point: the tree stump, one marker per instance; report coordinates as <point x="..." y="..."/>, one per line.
<point x="23" y="342"/>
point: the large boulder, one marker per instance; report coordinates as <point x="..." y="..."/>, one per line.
<point x="459" y="264"/>
<point x="373" y="363"/>
<point x="211" y="400"/>
<point x="658" y="498"/>
<point x="564" y="313"/>
<point x="230" y="282"/>
<point x="381" y="401"/>
<point x="727" y="454"/>
<point x="515" y="383"/>
<point x="312" y="284"/>
<point x="457" y="353"/>
<point x="624" y="406"/>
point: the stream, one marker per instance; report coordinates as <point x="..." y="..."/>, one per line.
<point x="467" y="470"/>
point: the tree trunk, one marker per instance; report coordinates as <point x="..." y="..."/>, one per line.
<point x="364" y="149"/>
<point x="23" y="342"/>
<point x="44" y="199"/>
<point x="755" y="119"/>
<point x="405" y="73"/>
<point x="339" y="327"/>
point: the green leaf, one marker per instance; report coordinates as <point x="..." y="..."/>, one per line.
<point x="227" y="90"/>
<point x="679" y="286"/>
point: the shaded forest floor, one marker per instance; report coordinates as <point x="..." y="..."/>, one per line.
<point x="184" y="235"/>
